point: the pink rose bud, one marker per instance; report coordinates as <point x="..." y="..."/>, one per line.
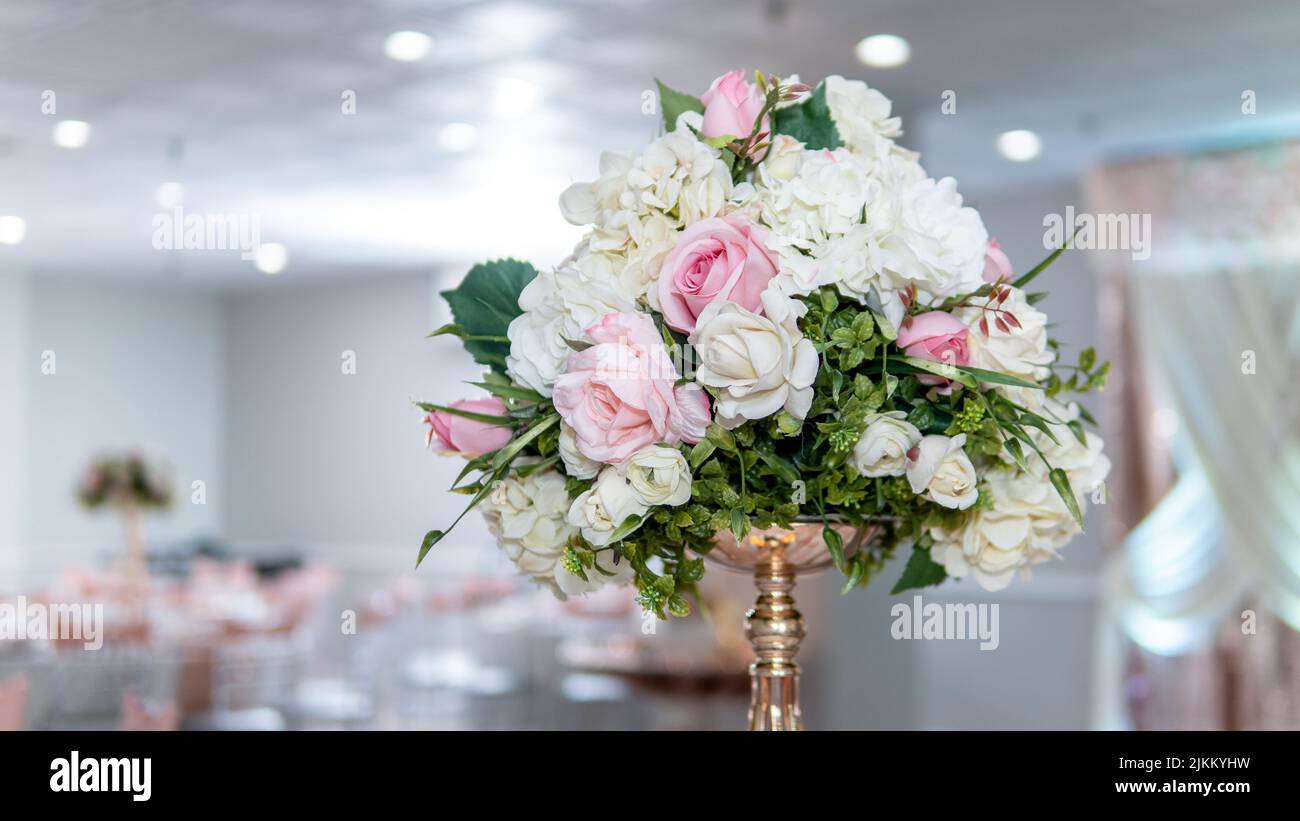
<point x="731" y="106"/>
<point x="449" y="433"/>
<point x="996" y="264"/>
<point x="938" y="337"/>
<point x="716" y="258"/>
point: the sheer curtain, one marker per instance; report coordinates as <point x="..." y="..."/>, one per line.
<point x="1205" y="580"/>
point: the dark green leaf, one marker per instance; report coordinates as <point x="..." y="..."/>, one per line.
<point x="672" y="103"/>
<point x="809" y="122"/>
<point x="939" y="368"/>
<point x="702" y="450"/>
<point x="509" y="391"/>
<point x="485" y="418"/>
<point x="507" y="453"/>
<point x="835" y="544"/>
<point x="1062" y="484"/>
<point x="484" y="304"/>
<point x="921" y="571"/>
<point x="739" y="524"/>
<point x="430" y="539"/>
<point x="998" y="378"/>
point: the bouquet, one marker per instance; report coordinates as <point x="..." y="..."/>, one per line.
<point x="776" y="316"/>
<point x="124" y="480"/>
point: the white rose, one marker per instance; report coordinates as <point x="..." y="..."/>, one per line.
<point x="882" y="450"/>
<point x="1020" y="351"/>
<point x="861" y="116"/>
<point x="760" y="364"/>
<point x="527" y="517"/>
<point x="613" y="574"/>
<point x="600" y="511"/>
<point x="575" y="463"/>
<point x="659" y="475"/>
<point x="559" y="305"/>
<point x="942" y="471"/>
<point x="1024" y="525"/>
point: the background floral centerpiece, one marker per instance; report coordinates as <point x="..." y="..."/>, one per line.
<point x="776" y="315"/>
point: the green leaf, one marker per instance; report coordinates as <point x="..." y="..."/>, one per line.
<point x="1017" y="453"/>
<point x="484" y="304"/>
<point x="1087" y="358"/>
<point x="921" y="571"/>
<point x="835" y="544"/>
<point x="856" y="570"/>
<point x="430" y="539"/>
<point x="702" y="450"/>
<point x="739" y="524"/>
<point x="941" y="369"/>
<point x="507" y="453"/>
<point x="509" y="391"/>
<point x="722" y="438"/>
<point x="672" y="103"/>
<point x="809" y="122"/>
<point x="628" y="525"/>
<point x="450" y="328"/>
<point x="485" y="418"/>
<point x="1062" y="484"/>
<point x="679" y="606"/>
<point x="998" y="378"/>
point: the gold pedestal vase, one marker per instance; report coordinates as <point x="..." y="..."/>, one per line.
<point x="773" y="625"/>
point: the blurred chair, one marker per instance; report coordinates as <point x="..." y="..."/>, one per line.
<point x="89" y="686"/>
<point x="139" y="716"/>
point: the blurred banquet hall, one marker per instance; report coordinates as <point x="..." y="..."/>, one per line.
<point x="210" y="463"/>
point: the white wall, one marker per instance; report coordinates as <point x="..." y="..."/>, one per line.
<point x="15" y="362"/>
<point x="336" y="461"/>
<point x="136" y="367"/>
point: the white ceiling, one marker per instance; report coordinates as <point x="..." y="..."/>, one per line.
<point x="240" y="101"/>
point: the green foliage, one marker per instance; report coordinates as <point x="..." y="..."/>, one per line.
<point x="673" y="103"/>
<point x="809" y="121"/>
<point x="483" y="305"/>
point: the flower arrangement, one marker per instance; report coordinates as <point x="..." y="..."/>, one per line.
<point x="775" y="316"/>
<point x="124" y="480"/>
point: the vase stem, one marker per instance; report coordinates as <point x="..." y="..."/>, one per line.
<point x="774" y="628"/>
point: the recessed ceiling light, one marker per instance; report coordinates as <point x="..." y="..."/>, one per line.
<point x="408" y="46"/>
<point x="169" y="195"/>
<point x="12" y="230"/>
<point x="883" y="51"/>
<point x="457" y="137"/>
<point x="1019" y="145"/>
<point x="271" y="257"/>
<point x="71" y="133"/>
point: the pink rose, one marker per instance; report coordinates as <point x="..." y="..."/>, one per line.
<point x="938" y="337"/>
<point x="716" y="258"/>
<point x="456" y="434"/>
<point x="997" y="266"/>
<point x="731" y="106"/>
<point x="621" y="394"/>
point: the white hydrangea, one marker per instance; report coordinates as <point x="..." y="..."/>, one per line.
<point x="861" y="116"/>
<point x="924" y="235"/>
<point x="559" y="305"/>
<point x="824" y="198"/>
